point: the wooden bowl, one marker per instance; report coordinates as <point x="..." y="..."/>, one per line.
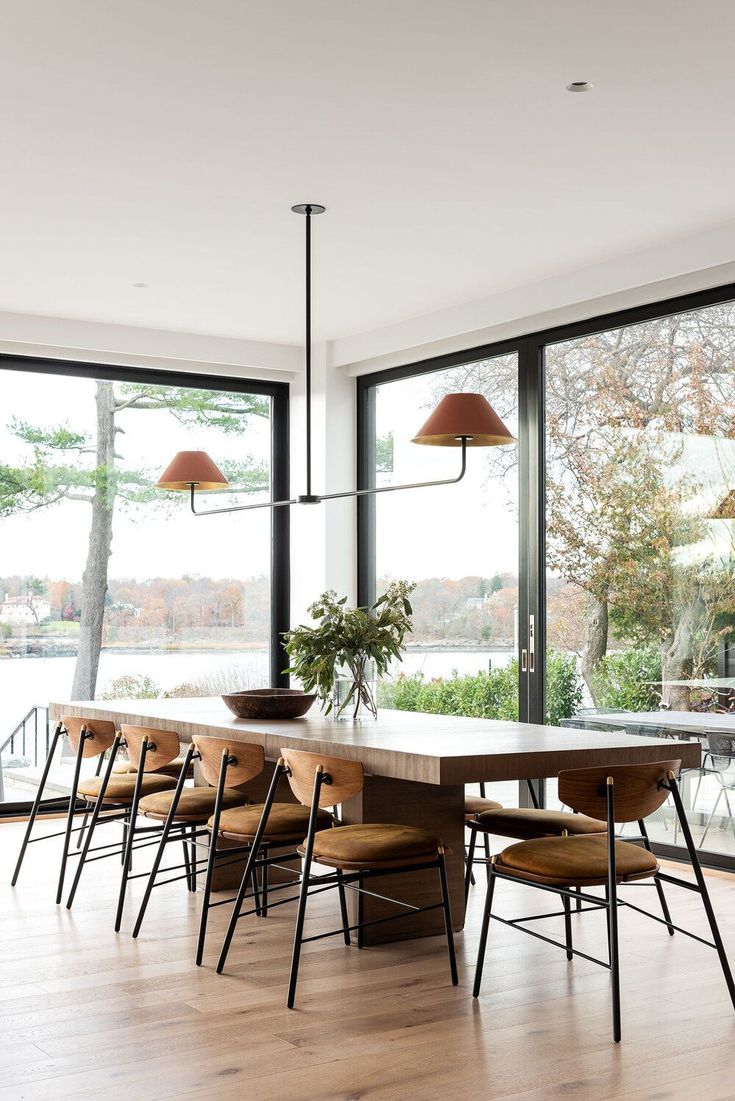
<point x="269" y="703"/>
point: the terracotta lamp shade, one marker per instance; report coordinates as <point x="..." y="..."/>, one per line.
<point x="468" y="415"/>
<point x="192" y="466"/>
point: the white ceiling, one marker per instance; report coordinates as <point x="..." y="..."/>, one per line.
<point x="163" y="141"/>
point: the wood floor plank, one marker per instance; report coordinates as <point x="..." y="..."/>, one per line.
<point x="85" y="1011"/>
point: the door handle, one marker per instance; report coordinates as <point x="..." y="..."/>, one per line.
<point x="524" y="661"/>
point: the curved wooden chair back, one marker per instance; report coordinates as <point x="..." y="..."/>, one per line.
<point x="166" y="744"/>
<point x="637" y="790"/>
<point x="103" y="733"/>
<point x="249" y="760"/>
<point x="346" y="778"/>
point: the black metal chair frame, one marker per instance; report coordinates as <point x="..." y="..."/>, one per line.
<point x="469" y="850"/>
<point x="215" y="859"/>
<point x="342" y="881"/>
<point x="610" y="905"/>
<point x="111" y="812"/>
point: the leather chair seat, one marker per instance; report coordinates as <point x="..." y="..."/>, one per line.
<point x="476" y="804"/>
<point x="366" y="846"/>
<point x="286" y="822"/>
<point x="173" y="768"/>
<point x="529" y="823"/>
<point x="574" y="861"/>
<point x="121" y="788"/>
<point x="195" y="804"/>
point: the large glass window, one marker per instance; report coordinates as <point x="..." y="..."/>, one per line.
<point x="458" y="544"/>
<point x="108" y="587"/>
<point x="640" y="503"/>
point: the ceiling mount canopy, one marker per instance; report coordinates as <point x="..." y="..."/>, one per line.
<point x="459" y="420"/>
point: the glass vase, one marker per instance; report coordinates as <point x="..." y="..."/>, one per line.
<point x="354" y="696"/>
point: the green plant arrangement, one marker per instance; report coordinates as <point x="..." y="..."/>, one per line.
<point x="354" y="642"/>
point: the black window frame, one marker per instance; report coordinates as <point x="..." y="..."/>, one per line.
<point x="278" y="392"/>
<point x="530" y="349"/>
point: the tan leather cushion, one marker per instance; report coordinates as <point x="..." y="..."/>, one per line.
<point x="528" y="823"/>
<point x="121" y="788"/>
<point x="369" y="846"/>
<point x="173" y="768"/>
<point x="476" y="804"/>
<point x="574" y="861"/>
<point x="289" y="821"/>
<point x="195" y="804"/>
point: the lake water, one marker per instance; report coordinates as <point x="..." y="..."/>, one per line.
<point x="25" y="682"/>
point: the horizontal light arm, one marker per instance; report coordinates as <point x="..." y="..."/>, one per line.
<point x="335" y="496"/>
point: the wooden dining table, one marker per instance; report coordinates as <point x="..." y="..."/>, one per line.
<point x="416" y="770"/>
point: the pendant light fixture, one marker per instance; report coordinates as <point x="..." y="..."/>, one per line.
<point x="459" y="420"/>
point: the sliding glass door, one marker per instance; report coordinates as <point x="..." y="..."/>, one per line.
<point x="586" y="577"/>
<point x="640" y="504"/>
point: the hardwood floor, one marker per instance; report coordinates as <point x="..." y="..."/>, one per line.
<point x="86" y="1012"/>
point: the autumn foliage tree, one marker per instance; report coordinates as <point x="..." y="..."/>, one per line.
<point x="72" y="464"/>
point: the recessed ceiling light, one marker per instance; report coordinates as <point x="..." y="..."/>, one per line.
<point x="579" y="86"/>
<point x="141" y="285"/>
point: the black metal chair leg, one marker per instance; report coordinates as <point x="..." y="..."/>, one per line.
<point x="70" y="816"/>
<point x="319" y="779"/>
<point x="37" y="803"/>
<point x="360" y="913"/>
<point x="264" y="898"/>
<point x="187" y="864"/>
<point x="468" y="877"/>
<point x="165" y="833"/>
<point x="127" y="859"/>
<point x="193" y="858"/>
<point x="278" y="772"/>
<point x="486" y="842"/>
<point x="701" y="883"/>
<point x="612" y="914"/>
<point x="447" y="910"/>
<point x="88" y="811"/>
<point x="96" y="810"/>
<point x="212" y="855"/>
<point x="343" y="907"/>
<point x="659" y="886"/>
<point x="568" y="925"/>
<point x="483" y="935"/>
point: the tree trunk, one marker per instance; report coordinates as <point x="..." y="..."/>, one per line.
<point x="94" y="579"/>
<point x="676" y="653"/>
<point x="595" y="644"/>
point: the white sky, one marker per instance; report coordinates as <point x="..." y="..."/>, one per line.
<point x="452" y="531"/>
<point x="148" y="541"/>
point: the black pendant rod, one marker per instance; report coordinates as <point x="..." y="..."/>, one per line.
<point x="308" y="210"/>
<point x="308" y="350"/>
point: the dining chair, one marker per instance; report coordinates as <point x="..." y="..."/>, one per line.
<point x="558" y="865"/>
<point x="117" y="797"/>
<point x="485" y="818"/>
<point x="88" y="738"/>
<point x="225" y="766"/>
<point x="355" y="853"/>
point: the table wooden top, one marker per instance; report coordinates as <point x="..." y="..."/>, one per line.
<point x="695" y="722"/>
<point x="431" y="749"/>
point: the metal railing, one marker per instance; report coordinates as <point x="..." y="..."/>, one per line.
<point x="32" y="729"/>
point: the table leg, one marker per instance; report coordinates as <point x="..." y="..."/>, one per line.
<point x="433" y="807"/>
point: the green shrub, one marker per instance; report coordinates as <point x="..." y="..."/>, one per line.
<point x="131" y="686"/>
<point x="620" y="680"/>
<point x="563" y="687"/>
<point x="491" y="695"/>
